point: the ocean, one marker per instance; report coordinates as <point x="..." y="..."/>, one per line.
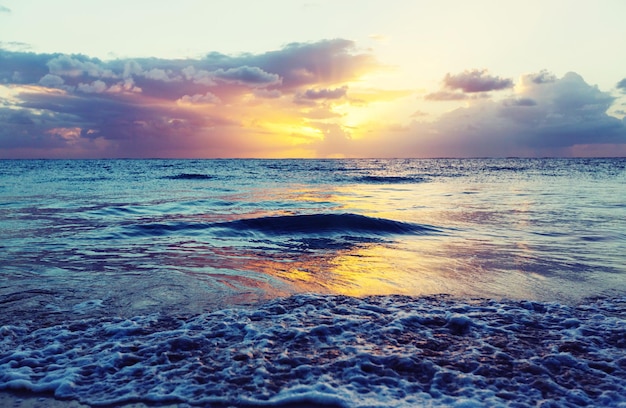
<point x="333" y="283"/>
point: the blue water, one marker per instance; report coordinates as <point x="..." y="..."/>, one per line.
<point x="91" y="244"/>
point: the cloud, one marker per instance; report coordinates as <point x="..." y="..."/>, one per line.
<point x="200" y="77"/>
<point x="336" y="139"/>
<point x="19" y="67"/>
<point x="158" y="74"/>
<point x="445" y="96"/>
<point x="469" y="84"/>
<point x="51" y="81"/>
<point x="247" y="75"/>
<point x="556" y="117"/>
<point x="325" y="93"/>
<point x="471" y="81"/>
<point x="520" y="102"/>
<point x="79" y="66"/>
<point x="293" y="102"/>
<point x="125" y="86"/>
<point x="542" y="77"/>
<point x="310" y="96"/>
<point x="199" y="99"/>
<point x="219" y="105"/>
<point x="325" y="62"/>
<point x="622" y="85"/>
<point x="4" y="9"/>
<point x="15" y="45"/>
<point x="97" y="86"/>
<point x="268" y="94"/>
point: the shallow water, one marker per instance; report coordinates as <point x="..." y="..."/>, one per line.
<point x="88" y="242"/>
<point x="194" y="235"/>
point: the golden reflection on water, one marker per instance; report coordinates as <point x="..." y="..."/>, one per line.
<point x="365" y="269"/>
<point x="395" y="265"/>
<point x="376" y="270"/>
<point x="457" y="261"/>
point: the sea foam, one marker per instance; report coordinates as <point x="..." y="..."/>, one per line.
<point x="334" y="351"/>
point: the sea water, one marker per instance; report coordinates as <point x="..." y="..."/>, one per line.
<point x="442" y="282"/>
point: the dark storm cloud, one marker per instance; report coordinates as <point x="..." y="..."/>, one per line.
<point x="471" y="81"/>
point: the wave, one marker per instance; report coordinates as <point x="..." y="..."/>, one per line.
<point x="390" y="179"/>
<point x="190" y="176"/>
<point x="333" y="351"/>
<point x="294" y="226"/>
<point x="345" y="223"/>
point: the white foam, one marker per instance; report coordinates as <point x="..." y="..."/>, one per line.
<point x="87" y="306"/>
<point x="334" y="351"/>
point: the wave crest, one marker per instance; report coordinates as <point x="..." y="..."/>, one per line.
<point x="391" y="179"/>
<point x="294" y="225"/>
<point x="190" y="176"/>
<point x="327" y="224"/>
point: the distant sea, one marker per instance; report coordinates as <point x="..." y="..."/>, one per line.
<point x="335" y="283"/>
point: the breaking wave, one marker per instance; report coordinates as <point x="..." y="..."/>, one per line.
<point x="190" y="176"/>
<point x="327" y="224"/>
<point x="390" y="179"/>
<point x="296" y="225"/>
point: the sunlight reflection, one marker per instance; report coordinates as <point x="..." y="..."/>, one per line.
<point x="457" y="261"/>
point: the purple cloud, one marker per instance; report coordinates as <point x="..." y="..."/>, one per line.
<point x="80" y="66"/>
<point x="51" y="81"/>
<point x="247" y="75"/>
<point x="158" y="107"/>
<point x="544" y="118"/>
<point x="520" y="102"/>
<point x="319" y="63"/>
<point x="325" y="93"/>
<point x="472" y="81"/>
<point x="542" y="77"/>
<point x="445" y="96"/>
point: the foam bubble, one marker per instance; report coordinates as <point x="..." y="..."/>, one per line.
<point x="325" y="350"/>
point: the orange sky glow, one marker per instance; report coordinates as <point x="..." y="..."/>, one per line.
<point x="333" y="97"/>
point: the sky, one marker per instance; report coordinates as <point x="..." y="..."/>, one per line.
<point x="314" y="78"/>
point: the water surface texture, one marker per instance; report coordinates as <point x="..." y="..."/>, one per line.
<point x="159" y="254"/>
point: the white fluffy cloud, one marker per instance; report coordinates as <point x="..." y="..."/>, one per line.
<point x="51" y="81"/>
<point x="94" y="87"/>
<point x="65" y="65"/>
